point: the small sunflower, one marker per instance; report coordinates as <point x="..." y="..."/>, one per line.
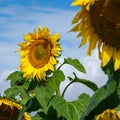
<point x="108" y="115"/>
<point x="38" y="53"/>
<point x="98" y="22"/>
<point x="9" y="110"/>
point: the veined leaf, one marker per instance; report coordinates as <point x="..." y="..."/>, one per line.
<point x="75" y="63"/>
<point x="70" y="110"/>
<point x="81" y="104"/>
<point x="66" y="109"/>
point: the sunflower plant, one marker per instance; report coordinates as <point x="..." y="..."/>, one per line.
<point x="35" y="88"/>
<point x="36" y="85"/>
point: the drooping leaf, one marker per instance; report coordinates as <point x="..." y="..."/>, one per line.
<point x="102" y="100"/>
<point x="87" y="83"/>
<point x="75" y="63"/>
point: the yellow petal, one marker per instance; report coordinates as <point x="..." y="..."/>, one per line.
<point x="107" y="52"/>
<point x="116" y="58"/>
<point x="80" y="2"/>
<point x="92" y="44"/>
<point x="86" y="3"/>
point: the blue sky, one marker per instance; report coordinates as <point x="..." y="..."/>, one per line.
<point x="18" y="17"/>
<point x="44" y="3"/>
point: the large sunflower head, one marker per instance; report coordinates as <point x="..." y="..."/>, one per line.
<point x="98" y="22"/>
<point x="9" y="110"/>
<point x="108" y="115"/>
<point x="38" y="53"/>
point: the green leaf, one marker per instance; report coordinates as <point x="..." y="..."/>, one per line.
<point x="15" y="77"/>
<point x="44" y="92"/>
<point x="117" y="108"/>
<point x="51" y="114"/>
<point x="75" y="63"/>
<point x="31" y="86"/>
<point x="102" y="99"/>
<point x="35" y="105"/>
<point x="23" y="92"/>
<point x="12" y="92"/>
<point x="109" y="68"/>
<point x="25" y="108"/>
<point x="31" y="105"/>
<point x="87" y="83"/>
<point x="66" y="109"/>
<point x="81" y="104"/>
<point x="70" y="110"/>
<point x="56" y="79"/>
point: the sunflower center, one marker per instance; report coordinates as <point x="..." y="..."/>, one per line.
<point x="6" y="112"/>
<point x="105" y="19"/>
<point x="39" y="53"/>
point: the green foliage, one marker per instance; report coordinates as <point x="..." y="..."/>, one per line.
<point x="15" y="77"/>
<point x="39" y="116"/>
<point x="11" y="92"/>
<point x="70" y="110"/>
<point x="46" y="100"/>
<point x="31" y="105"/>
<point x="87" y="83"/>
<point x="75" y="63"/>
<point x="45" y="91"/>
<point x="102" y="99"/>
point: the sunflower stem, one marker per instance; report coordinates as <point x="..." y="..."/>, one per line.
<point x="58" y="94"/>
<point x="61" y="65"/>
<point x="66" y="88"/>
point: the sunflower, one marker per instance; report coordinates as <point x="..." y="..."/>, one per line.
<point x="108" y="115"/>
<point x="38" y="53"/>
<point x="98" y="22"/>
<point x="9" y="110"/>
